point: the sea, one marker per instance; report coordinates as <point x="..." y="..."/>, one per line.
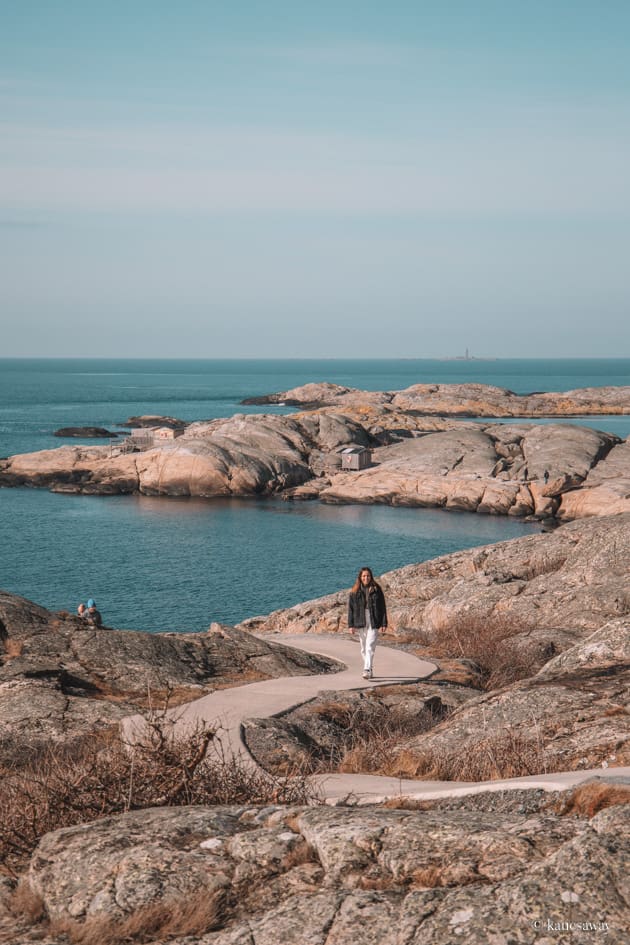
<point x="176" y="564"/>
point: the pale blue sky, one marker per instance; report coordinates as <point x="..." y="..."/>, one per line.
<point x="331" y="179"/>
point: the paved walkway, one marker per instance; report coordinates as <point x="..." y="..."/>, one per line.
<point x="230" y="707"/>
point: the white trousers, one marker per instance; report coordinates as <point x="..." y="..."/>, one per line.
<point x="367" y="637"/>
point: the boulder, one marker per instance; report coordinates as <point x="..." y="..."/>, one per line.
<point x="61" y="679"/>
<point x="344" y="876"/>
<point x="571" y="715"/>
<point x="317" y="735"/>
<point x="606" y="488"/>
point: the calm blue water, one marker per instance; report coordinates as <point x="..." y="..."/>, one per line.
<point x="39" y="396"/>
<point x="171" y="564"/>
<point x="178" y="564"/>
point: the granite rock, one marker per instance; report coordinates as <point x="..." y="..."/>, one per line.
<point x="241" y="455"/>
<point x="572" y="714"/>
<point x="61" y="679"/>
<point x="493" y="470"/>
<point x="309" y="876"/>
<point x="513" y="469"/>
<point x="557" y="587"/>
<point x="462" y="400"/>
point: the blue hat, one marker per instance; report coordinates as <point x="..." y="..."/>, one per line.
<point x="91" y="602"/>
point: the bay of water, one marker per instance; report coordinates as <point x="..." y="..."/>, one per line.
<point x="178" y="564"/>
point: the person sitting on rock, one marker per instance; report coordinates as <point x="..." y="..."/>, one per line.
<point x="92" y="615"/>
<point x="82" y="611"/>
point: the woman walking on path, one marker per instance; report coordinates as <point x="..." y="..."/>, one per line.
<point x="367" y="614"/>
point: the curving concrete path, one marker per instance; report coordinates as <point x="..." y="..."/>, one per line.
<point x="231" y="707"/>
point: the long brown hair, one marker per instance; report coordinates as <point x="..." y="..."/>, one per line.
<point x="358" y="585"/>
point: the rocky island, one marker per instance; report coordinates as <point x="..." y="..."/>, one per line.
<point x="531" y="647"/>
<point x="460" y="400"/>
<point x="419" y="457"/>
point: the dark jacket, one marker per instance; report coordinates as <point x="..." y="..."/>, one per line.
<point x="376" y="603"/>
<point x="94" y="617"/>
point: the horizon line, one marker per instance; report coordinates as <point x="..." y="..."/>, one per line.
<point x="442" y="358"/>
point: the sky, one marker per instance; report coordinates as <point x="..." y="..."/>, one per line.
<point x="299" y="179"/>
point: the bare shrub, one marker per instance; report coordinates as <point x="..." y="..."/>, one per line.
<point x="489" y="642"/>
<point x="62" y="788"/>
<point x="371" y="731"/>
<point x="505" y="754"/>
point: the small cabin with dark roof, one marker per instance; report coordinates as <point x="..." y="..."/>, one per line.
<point x="356" y="457"/>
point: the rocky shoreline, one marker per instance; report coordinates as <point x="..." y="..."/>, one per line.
<point x="550" y="612"/>
<point x="62" y="680"/>
<point x="496" y="864"/>
<point x="554" y="472"/>
<point x="459" y="400"/>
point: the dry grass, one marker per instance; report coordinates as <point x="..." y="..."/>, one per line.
<point x="588" y="799"/>
<point x="61" y="787"/>
<point x="199" y="913"/>
<point x="400" y="637"/>
<point x="505" y="754"/>
<point x="370" y="733"/>
<point x="161" y="920"/>
<point x="406" y="803"/>
<point x="26" y="902"/>
<point x="298" y="855"/>
<point x="428" y="878"/>
<point x="458" y="672"/>
<point x="13" y="648"/>
<point x="616" y="710"/>
<point x="490" y="643"/>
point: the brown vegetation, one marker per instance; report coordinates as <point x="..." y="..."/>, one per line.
<point x="13" y="648"/>
<point x="497" y="644"/>
<point x="505" y="754"/>
<point x="27" y="903"/>
<point x="162" y="920"/>
<point x="588" y="799"/>
<point x="371" y="733"/>
<point x="64" y="787"/>
<point x="197" y="914"/>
